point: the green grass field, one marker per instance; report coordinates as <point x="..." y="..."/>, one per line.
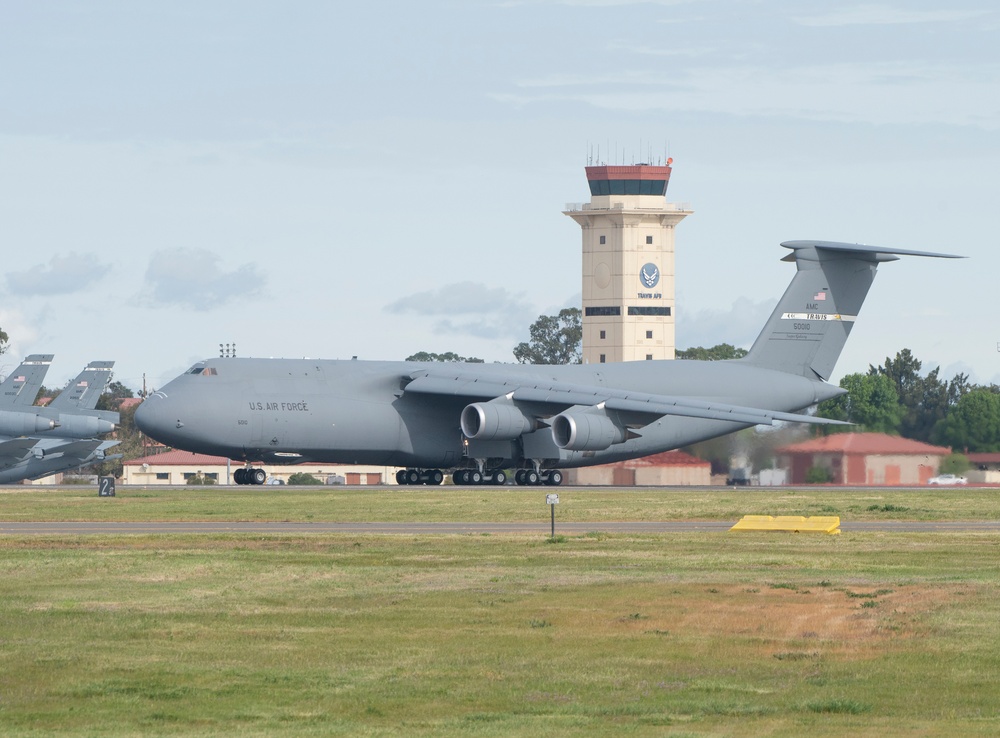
<point x="693" y="634"/>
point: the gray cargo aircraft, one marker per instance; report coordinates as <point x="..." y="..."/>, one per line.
<point x="480" y="419"/>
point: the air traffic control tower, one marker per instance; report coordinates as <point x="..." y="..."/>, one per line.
<point x="628" y="263"/>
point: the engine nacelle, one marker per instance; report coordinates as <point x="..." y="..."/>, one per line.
<point x="83" y="426"/>
<point x="496" y="420"/>
<point x="587" y="429"/>
<point x="23" y="424"/>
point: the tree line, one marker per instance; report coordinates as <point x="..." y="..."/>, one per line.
<point x="896" y="398"/>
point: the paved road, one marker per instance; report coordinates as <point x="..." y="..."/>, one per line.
<point x="689" y="526"/>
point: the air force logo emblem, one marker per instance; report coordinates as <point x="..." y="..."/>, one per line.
<point x="650" y="275"/>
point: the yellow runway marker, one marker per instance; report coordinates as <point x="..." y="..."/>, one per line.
<point x="789" y="524"/>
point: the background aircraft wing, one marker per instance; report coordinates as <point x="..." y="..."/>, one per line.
<point x="549" y="397"/>
<point x="15" y="450"/>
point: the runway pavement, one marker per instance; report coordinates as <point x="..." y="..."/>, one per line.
<point x="686" y="526"/>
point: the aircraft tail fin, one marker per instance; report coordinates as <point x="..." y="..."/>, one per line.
<point x="83" y="392"/>
<point x="808" y="329"/>
<point x="21" y="386"/>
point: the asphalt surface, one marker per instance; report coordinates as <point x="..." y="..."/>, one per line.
<point x="687" y="526"/>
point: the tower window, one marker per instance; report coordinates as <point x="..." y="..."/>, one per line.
<point x="603" y="358"/>
<point x="649" y="334"/>
<point x="603" y="334"/>
<point x="603" y="310"/>
<point x="649" y="239"/>
<point x="603" y="239"/>
<point x="642" y="310"/>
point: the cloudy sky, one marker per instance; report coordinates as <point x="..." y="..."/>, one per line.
<point x="308" y="180"/>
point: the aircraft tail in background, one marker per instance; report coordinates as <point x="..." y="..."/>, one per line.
<point x="21" y="386"/>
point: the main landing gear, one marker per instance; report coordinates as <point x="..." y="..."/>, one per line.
<point x="249" y="476"/>
<point x="532" y="478"/>
<point x="419" y="476"/>
<point x="474" y="476"/>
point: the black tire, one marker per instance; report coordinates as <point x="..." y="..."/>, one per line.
<point x="555" y="478"/>
<point x="519" y="477"/>
<point x="412" y="476"/>
<point x="258" y="476"/>
<point x="459" y="477"/>
<point x="475" y="477"/>
<point x="239" y="476"/>
<point x="401" y="476"/>
<point x="531" y="478"/>
<point x="500" y="477"/>
<point x="435" y="477"/>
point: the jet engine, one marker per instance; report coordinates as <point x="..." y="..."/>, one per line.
<point x="83" y="426"/>
<point x="496" y="420"/>
<point x="20" y="424"/>
<point x="586" y="429"/>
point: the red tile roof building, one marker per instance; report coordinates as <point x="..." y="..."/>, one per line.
<point x="864" y="459"/>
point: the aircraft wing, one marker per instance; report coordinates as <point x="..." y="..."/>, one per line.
<point x="15" y="449"/>
<point x="551" y="397"/>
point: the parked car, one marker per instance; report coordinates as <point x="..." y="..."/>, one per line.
<point x="947" y="479"/>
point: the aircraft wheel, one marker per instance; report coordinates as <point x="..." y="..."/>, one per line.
<point x="458" y="477"/>
<point x="475" y="477"/>
<point x="401" y="476"/>
<point x="435" y="477"/>
<point x="519" y="477"/>
<point x="555" y="478"/>
<point x="258" y="476"/>
<point x="412" y="476"/>
<point x="531" y="478"/>
<point x="239" y="476"/>
<point x="500" y="477"/>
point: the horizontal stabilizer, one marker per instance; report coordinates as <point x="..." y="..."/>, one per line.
<point x="860" y="248"/>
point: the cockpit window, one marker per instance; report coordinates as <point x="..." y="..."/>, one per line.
<point x="205" y="371"/>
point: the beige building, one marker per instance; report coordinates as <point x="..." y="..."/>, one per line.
<point x="658" y="470"/>
<point x="177" y="467"/>
<point x="628" y="263"/>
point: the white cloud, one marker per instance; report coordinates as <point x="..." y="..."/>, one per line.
<point x="192" y="278"/>
<point x="471" y="308"/>
<point x="739" y="325"/>
<point x="863" y="15"/>
<point x="894" y="92"/>
<point x="63" y="275"/>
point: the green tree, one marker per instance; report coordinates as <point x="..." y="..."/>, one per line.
<point x="555" y="339"/>
<point x="924" y="400"/>
<point x="719" y="352"/>
<point x="3" y="341"/>
<point x="954" y="464"/>
<point x="113" y="395"/>
<point x="871" y="403"/>
<point x="448" y="356"/>
<point x="973" y="424"/>
<point x="303" y="478"/>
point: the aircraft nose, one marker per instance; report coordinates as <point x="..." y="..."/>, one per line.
<point x="153" y="418"/>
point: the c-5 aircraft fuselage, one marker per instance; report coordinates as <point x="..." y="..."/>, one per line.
<point x="288" y="411"/>
<point x="483" y="418"/>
